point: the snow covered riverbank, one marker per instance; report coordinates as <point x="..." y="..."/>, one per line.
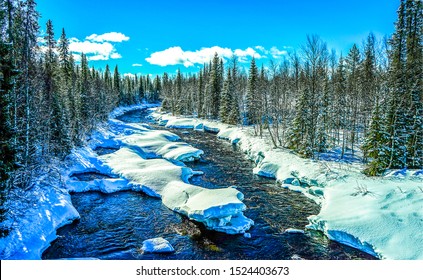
<point x="138" y="159"/>
<point x="381" y="216"/>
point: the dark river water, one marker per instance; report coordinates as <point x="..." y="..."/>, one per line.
<point x="113" y="226"/>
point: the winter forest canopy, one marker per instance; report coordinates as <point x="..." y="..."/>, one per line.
<point x="369" y="100"/>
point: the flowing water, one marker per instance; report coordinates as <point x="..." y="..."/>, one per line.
<point x="113" y="226"/>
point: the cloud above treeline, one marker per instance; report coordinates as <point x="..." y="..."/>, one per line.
<point x="97" y="47"/>
<point x="177" y="56"/>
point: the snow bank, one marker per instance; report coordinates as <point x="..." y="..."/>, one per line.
<point x="44" y="209"/>
<point x="380" y="216"/>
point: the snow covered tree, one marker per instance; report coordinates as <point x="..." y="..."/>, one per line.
<point x="414" y="76"/>
<point x="7" y="151"/>
<point x="214" y="86"/>
<point x="397" y="110"/>
<point x="200" y="95"/>
<point x="251" y="108"/>
<point x="225" y="99"/>
<point x="117" y="87"/>
<point x="368" y="81"/>
<point x="375" y="144"/>
<point x="352" y="67"/>
<point x="297" y="137"/>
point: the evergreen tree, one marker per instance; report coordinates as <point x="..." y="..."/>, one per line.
<point x="414" y="76"/>
<point x="200" y="99"/>
<point x="178" y="102"/>
<point x="141" y="91"/>
<point x="375" y="145"/>
<point x="252" y="95"/>
<point x="396" y="114"/>
<point x="353" y="74"/>
<point x="225" y="99"/>
<point x="7" y="151"/>
<point x="215" y="86"/>
<point x="117" y="88"/>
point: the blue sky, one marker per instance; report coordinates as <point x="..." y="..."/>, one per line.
<point x="152" y="37"/>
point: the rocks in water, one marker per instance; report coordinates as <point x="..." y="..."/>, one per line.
<point x="157" y="245"/>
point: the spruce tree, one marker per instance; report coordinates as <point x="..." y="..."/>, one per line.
<point x="375" y="144"/>
<point x="7" y="151"/>
<point x="225" y="99"/>
<point x="414" y="76"/>
<point x="251" y="107"/>
<point x="215" y="86"/>
<point x="117" y="88"/>
<point x="396" y="113"/>
<point x="200" y="98"/>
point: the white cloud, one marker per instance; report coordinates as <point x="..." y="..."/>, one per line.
<point x="97" y="47"/>
<point x="247" y="52"/>
<point x="176" y="55"/>
<point x="116" y="37"/>
<point x="129" y="75"/>
<point x="115" y="55"/>
<point x="276" y="53"/>
<point x="137" y="65"/>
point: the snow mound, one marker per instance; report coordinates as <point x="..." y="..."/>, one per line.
<point x="184" y="123"/>
<point x="157" y="245"/>
<point x="218" y="209"/>
<point x="161" y="144"/>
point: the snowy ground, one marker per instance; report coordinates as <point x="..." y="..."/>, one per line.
<point x="381" y="216"/>
<point x="141" y="159"/>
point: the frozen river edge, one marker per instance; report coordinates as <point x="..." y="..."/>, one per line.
<point x="382" y="216"/>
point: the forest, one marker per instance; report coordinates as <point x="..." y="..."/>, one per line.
<point x="368" y="101"/>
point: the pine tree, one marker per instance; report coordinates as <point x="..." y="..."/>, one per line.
<point x="298" y="134"/>
<point x="234" y="90"/>
<point x="368" y="84"/>
<point x="215" y="86"/>
<point x="7" y="152"/>
<point x="251" y="107"/>
<point x="55" y="127"/>
<point x="341" y="104"/>
<point x="396" y="114"/>
<point x="200" y="98"/>
<point x="375" y="144"/>
<point x="177" y="102"/>
<point x="117" y="88"/>
<point x="225" y="99"/>
<point x="414" y="72"/>
<point x="352" y="67"/>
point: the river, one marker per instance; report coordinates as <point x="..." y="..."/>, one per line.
<point x="113" y="226"/>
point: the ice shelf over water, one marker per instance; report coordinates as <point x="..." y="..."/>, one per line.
<point x="380" y="216"/>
